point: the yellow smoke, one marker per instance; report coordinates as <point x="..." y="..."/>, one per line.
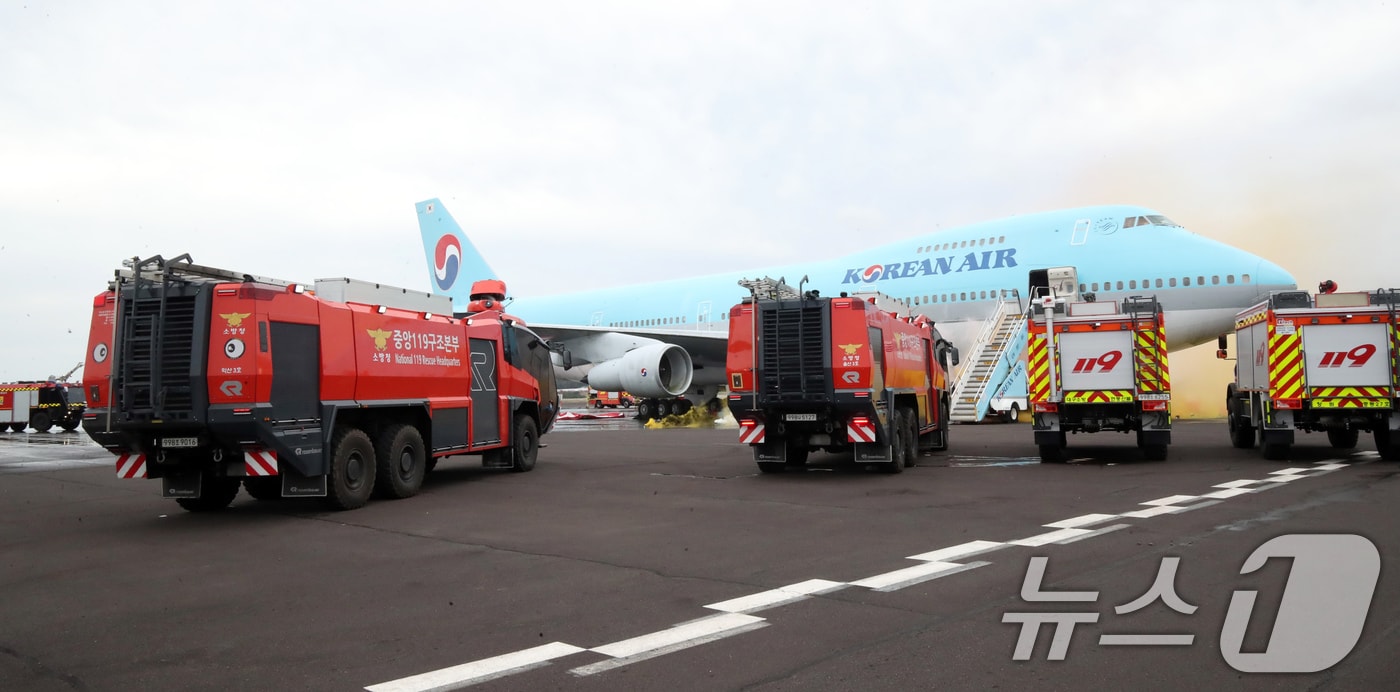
<point x="696" y="417"/>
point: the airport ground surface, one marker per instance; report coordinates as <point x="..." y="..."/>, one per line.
<point x="660" y="559"/>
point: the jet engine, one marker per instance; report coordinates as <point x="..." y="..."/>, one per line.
<point x="657" y="370"/>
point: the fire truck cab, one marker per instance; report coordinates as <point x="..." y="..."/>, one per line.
<point x="1316" y="363"/>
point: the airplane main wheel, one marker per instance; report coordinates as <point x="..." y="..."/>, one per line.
<point x="645" y="409"/>
<point x="663" y="409"/>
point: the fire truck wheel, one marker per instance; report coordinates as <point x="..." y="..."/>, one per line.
<point x="215" y="493"/>
<point x="1241" y="432"/>
<point x="399" y="462"/>
<point x="264" y="488"/>
<point x="896" y="464"/>
<point x="527" y="444"/>
<point x="70" y="424"/>
<point x="1276" y="451"/>
<point x="1387" y="450"/>
<point x="1156" y="452"/>
<point x="1052" y="454"/>
<point x="597" y="404"/>
<point x="40" y="421"/>
<point x="911" y="438"/>
<point x="772" y="466"/>
<point x="18" y="427"/>
<point x="352" y="469"/>
<point x="796" y="456"/>
<point x="940" y="438"/>
<point x="1342" y="439"/>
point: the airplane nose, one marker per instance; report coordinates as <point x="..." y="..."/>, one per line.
<point x="1271" y="277"/>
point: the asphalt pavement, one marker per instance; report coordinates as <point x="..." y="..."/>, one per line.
<point x="661" y="559"/>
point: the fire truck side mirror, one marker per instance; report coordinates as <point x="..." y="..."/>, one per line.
<point x="954" y="355"/>
<point x="1221" y="351"/>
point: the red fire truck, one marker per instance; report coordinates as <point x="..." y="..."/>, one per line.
<point x="851" y="373"/>
<point x="210" y="379"/>
<point x="40" y="405"/>
<point x="1094" y="366"/>
<point x="1316" y="363"/>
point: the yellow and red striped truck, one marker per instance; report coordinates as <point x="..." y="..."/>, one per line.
<point x="1316" y="363"/>
<point x="1094" y="366"/>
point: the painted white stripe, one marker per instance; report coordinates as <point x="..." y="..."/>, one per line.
<point x="1295" y="471"/>
<point x="1237" y="484"/>
<point x="776" y="597"/>
<point x="1095" y="532"/>
<point x="1229" y="493"/>
<point x="485" y="669"/>
<point x="909" y="576"/>
<point x="959" y="551"/>
<point x="1086" y="520"/>
<point x="1051" y="537"/>
<point x="679" y="634"/>
<point x="1332" y="466"/>
<point x="610" y="664"/>
<point x="1173" y="500"/>
<point x="1155" y="511"/>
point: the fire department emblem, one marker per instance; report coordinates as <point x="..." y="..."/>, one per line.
<point x="381" y="338"/>
<point x="235" y="319"/>
<point x="850" y="349"/>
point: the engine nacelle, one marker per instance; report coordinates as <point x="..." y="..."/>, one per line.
<point x="658" y="370"/>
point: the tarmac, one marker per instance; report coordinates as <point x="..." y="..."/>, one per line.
<point x="661" y="559"/>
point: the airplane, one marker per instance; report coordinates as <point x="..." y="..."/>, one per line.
<point x="665" y="341"/>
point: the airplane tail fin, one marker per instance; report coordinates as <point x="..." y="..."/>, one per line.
<point x="453" y="262"/>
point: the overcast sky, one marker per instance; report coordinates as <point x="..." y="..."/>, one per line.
<point x="590" y="144"/>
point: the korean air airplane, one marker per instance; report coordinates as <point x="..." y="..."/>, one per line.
<point x="666" y="339"/>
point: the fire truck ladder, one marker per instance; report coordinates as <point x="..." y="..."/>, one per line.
<point x="998" y="348"/>
<point x="1147" y="370"/>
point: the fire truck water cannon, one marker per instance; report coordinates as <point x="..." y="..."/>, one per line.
<point x="214" y="380"/>
<point x="852" y="373"/>
<point x="1316" y="363"/>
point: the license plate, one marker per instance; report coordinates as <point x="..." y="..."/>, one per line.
<point x="1156" y="397"/>
<point x="800" y="416"/>
<point x="180" y="442"/>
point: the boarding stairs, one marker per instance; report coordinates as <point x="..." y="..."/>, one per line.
<point x="998" y="348"/>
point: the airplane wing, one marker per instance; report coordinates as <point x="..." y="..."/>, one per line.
<point x="593" y="345"/>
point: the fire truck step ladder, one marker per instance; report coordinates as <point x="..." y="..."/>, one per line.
<point x="998" y="348"/>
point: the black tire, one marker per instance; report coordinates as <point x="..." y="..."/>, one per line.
<point x="940" y="438"/>
<point x="526" y="445"/>
<point x="215" y="493"/>
<point x="796" y="456"/>
<point x="714" y="406"/>
<point x="896" y="426"/>
<point x="645" y="410"/>
<point x="430" y="464"/>
<point x="663" y="409"/>
<point x="1388" y="450"/>
<point x="1052" y="454"/>
<point x="1242" y="433"/>
<point x="400" y="462"/>
<point x="772" y="466"/>
<point x="41" y="421"/>
<point x="70" y="424"/>
<point x="1157" y="452"/>
<point x="264" y="488"/>
<point x="1276" y="451"/>
<point x="18" y="427"/>
<point x="598" y="405"/>
<point x="1343" y="439"/>
<point x="352" y="470"/>
<point x="911" y="438"/>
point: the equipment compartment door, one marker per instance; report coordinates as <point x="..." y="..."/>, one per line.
<point x="1096" y="360"/>
<point x="486" y="402"/>
<point x="1347" y="355"/>
<point x="296" y="371"/>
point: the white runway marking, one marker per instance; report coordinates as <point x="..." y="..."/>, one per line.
<point x="475" y="672"/>
<point x="734" y="617"/>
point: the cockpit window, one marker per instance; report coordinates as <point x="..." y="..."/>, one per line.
<point x="1153" y="220"/>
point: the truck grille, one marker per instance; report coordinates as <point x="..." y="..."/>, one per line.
<point x="792" y="362"/>
<point x="157" y="355"/>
